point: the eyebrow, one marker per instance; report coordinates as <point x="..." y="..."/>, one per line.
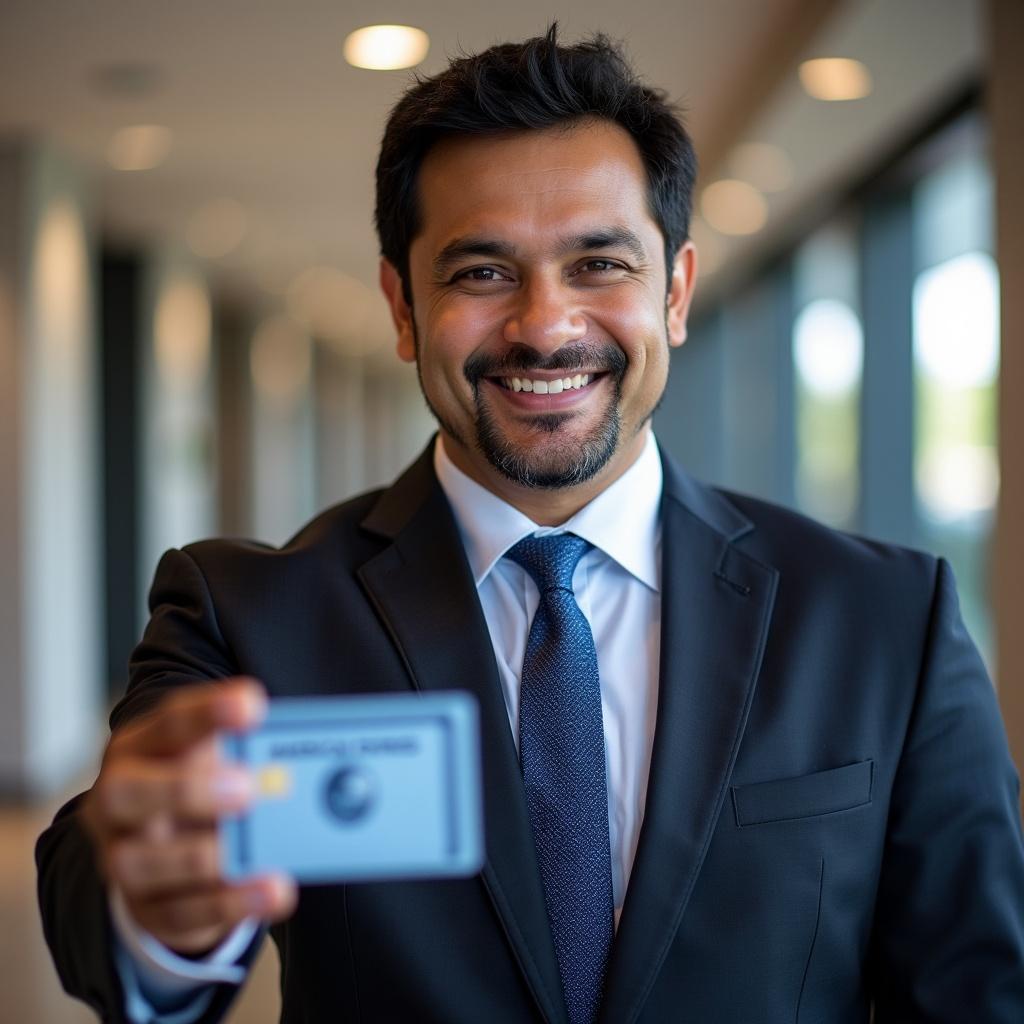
<point x="460" y="248"/>
<point x="589" y="241"/>
<point x="606" y="238"/>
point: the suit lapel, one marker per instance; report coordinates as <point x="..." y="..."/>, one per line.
<point x="716" y="606"/>
<point x="423" y="590"/>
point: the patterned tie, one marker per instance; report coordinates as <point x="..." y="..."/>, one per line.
<point x="561" y="749"/>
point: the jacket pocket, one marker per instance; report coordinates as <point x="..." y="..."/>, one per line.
<point x="837" y="789"/>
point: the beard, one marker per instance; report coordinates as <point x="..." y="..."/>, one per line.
<point x="562" y="459"/>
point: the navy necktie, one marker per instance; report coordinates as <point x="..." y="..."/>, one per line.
<point x="561" y="749"/>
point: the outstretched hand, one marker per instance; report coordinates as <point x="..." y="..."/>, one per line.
<point x="153" y="810"/>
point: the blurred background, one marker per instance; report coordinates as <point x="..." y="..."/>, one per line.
<point x="192" y="342"/>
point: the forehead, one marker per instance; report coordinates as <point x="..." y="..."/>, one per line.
<point x="560" y="178"/>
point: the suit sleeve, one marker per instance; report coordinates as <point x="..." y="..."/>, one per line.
<point x="949" y="923"/>
<point x="182" y="644"/>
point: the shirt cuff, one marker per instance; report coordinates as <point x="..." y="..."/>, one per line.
<point x="157" y="977"/>
<point x="138" y="1009"/>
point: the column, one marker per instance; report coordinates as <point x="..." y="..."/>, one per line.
<point x="50" y="537"/>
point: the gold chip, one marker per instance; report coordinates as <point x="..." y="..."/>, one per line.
<point x="274" y="780"/>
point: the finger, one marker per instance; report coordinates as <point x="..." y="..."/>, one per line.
<point x="195" y="921"/>
<point x="146" y="869"/>
<point x="131" y="791"/>
<point x="191" y="714"/>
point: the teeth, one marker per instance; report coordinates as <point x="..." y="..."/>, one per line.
<point x="548" y="387"/>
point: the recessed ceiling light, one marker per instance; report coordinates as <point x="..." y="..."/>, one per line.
<point x="734" y="207"/>
<point x="216" y="228"/>
<point x="386" y="47"/>
<point x="139" y="147"/>
<point x="762" y="164"/>
<point x="835" y="78"/>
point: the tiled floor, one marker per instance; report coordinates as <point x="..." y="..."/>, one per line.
<point x="29" y="990"/>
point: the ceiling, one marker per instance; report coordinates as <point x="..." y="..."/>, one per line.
<point x="265" y="111"/>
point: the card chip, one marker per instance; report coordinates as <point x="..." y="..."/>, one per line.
<point x="274" y="780"/>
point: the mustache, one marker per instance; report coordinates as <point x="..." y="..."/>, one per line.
<point x="575" y="358"/>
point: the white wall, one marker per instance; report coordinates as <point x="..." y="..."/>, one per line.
<point x="50" y="620"/>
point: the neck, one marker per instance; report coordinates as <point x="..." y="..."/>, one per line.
<point x="546" y="506"/>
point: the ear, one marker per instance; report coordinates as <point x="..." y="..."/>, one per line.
<point x="401" y="311"/>
<point x="680" y="292"/>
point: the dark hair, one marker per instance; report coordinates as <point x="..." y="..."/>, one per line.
<point x="532" y="85"/>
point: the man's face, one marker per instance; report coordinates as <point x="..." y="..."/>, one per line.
<point x="541" y="317"/>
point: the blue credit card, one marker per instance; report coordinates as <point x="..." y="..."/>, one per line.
<point x="359" y="788"/>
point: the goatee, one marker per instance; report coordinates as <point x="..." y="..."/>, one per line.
<point x="558" y="462"/>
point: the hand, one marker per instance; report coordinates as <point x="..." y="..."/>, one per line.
<point x="152" y="813"/>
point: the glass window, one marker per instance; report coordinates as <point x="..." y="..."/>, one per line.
<point x="828" y="355"/>
<point x="956" y="368"/>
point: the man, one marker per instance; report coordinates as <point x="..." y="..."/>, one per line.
<point x="737" y="767"/>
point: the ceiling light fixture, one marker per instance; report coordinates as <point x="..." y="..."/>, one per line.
<point x="734" y="207"/>
<point x="139" y="147"/>
<point x="386" y="47"/>
<point x="835" y="78"/>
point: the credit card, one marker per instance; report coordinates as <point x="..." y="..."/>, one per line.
<point x="359" y="788"/>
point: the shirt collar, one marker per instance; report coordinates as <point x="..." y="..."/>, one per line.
<point x="622" y="521"/>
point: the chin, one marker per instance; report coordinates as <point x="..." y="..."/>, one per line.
<point x="550" y="462"/>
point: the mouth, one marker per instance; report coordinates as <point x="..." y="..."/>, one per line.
<point x="548" y="385"/>
<point x="565" y="382"/>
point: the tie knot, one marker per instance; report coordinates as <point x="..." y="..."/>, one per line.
<point x="550" y="560"/>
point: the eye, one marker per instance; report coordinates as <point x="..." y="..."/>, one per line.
<point x="599" y="266"/>
<point x="480" y="275"/>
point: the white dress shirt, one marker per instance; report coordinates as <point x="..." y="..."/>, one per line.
<point x="617" y="586"/>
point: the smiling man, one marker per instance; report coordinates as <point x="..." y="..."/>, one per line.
<point x="737" y="767"/>
<point x="545" y="305"/>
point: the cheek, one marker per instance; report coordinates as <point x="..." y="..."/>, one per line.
<point x="457" y="330"/>
<point x="641" y="333"/>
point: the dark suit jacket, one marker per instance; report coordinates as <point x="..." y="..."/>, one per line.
<point x="832" y="814"/>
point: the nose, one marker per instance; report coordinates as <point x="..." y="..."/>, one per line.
<point x="546" y="317"/>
